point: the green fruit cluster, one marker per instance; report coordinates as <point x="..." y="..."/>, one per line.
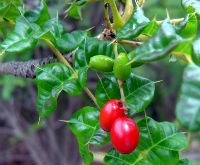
<point x="120" y="66"/>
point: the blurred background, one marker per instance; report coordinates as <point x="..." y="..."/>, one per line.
<point x="25" y="142"/>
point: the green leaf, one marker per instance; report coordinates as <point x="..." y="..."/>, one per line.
<point x="192" y="6"/>
<point x="54" y="31"/>
<point x="82" y="76"/>
<point x="163" y="135"/>
<point x="114" y="158"/>
<point x="51" y="80"/>
<point x="90" y="48"/>
<point x="138" y="92"/>
<point x="100" y="138"/>
<point x="40" y="15"/>
<point x="21" y="38"/>
<point x="9" y="9"/>
<point x="184" y="50"/>
<point x="190" y="29"/>
<point x="159" y="45"/>
<point x="70" y="41"/>
<point x="184" y="162"/>
<point x="151" y="28"/>
<point x="51" y="30"/>
<point x="196" y="51"/>
<point x="85" y="126"/>
<point x="188" y="105"/>
<point x="106" y="89"/>
<point x="134" y="26"/>
<point x="167" y="158"/>
<point x="75" y="9"/>
<point x="159" y="144"/>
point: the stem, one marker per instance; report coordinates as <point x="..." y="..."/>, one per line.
<point x="64" y="61"/>
<point x="128" y="10"/>
<point x="132" y="43"/>
<point x="117" y="19"/>
<point x="108" y="23"/>
<point x="115" y="49"/>
<point x="59" y="55"/>
<point x="173" y="21"/>
<point x="120" y="82"/>
<point x="89" y="93"/>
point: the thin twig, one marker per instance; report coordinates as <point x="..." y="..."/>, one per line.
<point x="106" y="14"/>
<point x="129" y="42"/>
<point x="64" y="61"/>
<point x="120" y="82"/>
<point x="128" y="10"/>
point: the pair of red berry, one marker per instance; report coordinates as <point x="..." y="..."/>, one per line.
<point x="124" y="131"/>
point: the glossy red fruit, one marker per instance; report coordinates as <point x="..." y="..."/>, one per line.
<point x="112" y="110"/>
<point x="124" y="135"/>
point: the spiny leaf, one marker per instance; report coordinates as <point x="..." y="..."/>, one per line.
<point x="9" y="9"/>
<point x="188" y="105"/>
<point x="21" y="38"/>
<point x="184" y="50"/>
<point x="85" y="126"/>
<point x="82" y="76"/>
<point x="75" y="9"/>
<point x="159" y="144"/>
<point x="192" y="6"/>
<point x="70" y="41"/>
<point x="39" y="15"/>
<point x="90" y="48"/>
<point x="51" y="80"/>
<point x="158" y="46"/>
<point x="138" y="92"/>
<point x="134" y="26"/>
<point x="196" y="51"/>
<point x="151" y="28"/>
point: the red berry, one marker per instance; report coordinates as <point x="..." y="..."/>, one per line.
<point x="112" y="110"/>
<point x="124" y="135"/>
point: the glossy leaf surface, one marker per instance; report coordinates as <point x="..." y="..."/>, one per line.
<point x="9" y="9"/>
<point x="82" y="76"/>
<point x="159" y="45"/>
<point x="159" y="144"/>
<point x="138" y="92"/>
<point x="196" y="52"/>
<point x="75" y="9"/>
<point x="151" y="28"/>
<point x="184" y="50"/>
<point x="192" y="6"/>
<point x="21" y="38"/>
<point x="70" y="41"/>
<point x="51" y="80"/>
<point x="85" y="125"/>
<point x="188" y="105"/>
<point x="90" y="48"/>
<point x="40" y="15"/>
<point x="134" y="26"/>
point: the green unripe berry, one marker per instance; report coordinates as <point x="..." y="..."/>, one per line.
<point x="121" y="68"/>
<point x="101" y="63"/>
